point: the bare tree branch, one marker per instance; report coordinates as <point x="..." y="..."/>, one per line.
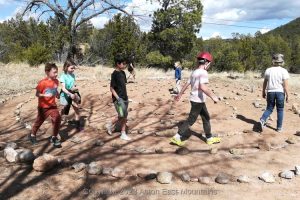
<point x="75" y="13"/>
<point x="92" y="16"/>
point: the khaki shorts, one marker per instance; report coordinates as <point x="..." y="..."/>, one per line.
<point x="121" y="108"/>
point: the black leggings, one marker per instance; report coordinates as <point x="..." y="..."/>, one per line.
<point x="196" y="110"/>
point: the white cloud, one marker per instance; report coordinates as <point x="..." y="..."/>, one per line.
<point x="264" y="30"/>
<point x="215" y="34"/>
<point x="251" y="9"/>
<point x="142" y="10"/>
<point x="4" y="2"/>
<point x="99" y="21"/>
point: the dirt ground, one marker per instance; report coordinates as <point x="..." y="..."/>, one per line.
<point x="234" y="119"/>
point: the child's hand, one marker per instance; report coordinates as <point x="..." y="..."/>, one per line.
<point x="215" y="99"/>
<point x="72" y="96"/>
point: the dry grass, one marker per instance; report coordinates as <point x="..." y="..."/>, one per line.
<point x="20" y="77"/>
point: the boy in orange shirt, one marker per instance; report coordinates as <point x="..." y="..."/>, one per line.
<point x="46" y="91"/>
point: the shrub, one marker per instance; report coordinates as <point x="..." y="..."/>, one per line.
<point x="156" y="59"/>
<point x="37" y="54"/>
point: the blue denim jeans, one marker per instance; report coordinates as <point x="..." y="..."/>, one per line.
<point x="274" y="98"/>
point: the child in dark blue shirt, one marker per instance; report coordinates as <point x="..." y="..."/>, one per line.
<point x="178" y="69"/>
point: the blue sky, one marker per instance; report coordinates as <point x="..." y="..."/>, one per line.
<point x="220" y="17"/>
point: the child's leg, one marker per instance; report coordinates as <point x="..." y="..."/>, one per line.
<point x="178" y="86"/>
<point x="206" y="121"/>
<point x="270" y="107"/>
<point x="123" y="121"/>
<point x="41" y="117"/>
<point x="280" y="109"/>
<point x="76" y="110"/>
<point x="194" y="113"/>
<point x="55" y="119"/>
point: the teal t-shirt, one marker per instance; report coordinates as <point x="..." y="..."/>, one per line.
<point x="68" y="80"/>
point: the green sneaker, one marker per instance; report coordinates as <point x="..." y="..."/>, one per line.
<point x="177" y="142"/>
<point x="32" y="139"/>
<point x="213" y="140"/>
<point x="55" y="141"/>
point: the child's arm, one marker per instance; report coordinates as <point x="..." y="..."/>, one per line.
<point x="114" y="93"/>
<point x="264" y="88"/>
<point x="63" y="87"/>
<point x="286" y="90"/>
<point x="208" y="92"/>
<point x="39" y="95"/>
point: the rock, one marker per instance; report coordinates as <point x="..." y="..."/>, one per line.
<point x="118" y="173"/>
<point x="182" y="151"/>
<point x="287" y="174"/>
<point x="76" y="140"/>
<point x="292" y="140"/>
<point x="17" y="112"/>
<point x="297" y="133"/>
<point x="185" y="177"/>
<point x="213" y="150"/>
<point x="79" y="166"/>
<point x="107" y="170"/>
<point x="12" y="145"/>
<point x="44" y="163"/>
<point x="257" y="105"/>
<point x="20" y="105"/>
<point x="141" y="131"/>
<point x="18" y="119"/>
<point x="267" y="177"/>
<point x="94" y="168"/>
<point x="147" y="177"/>
<point x="164" y="177"/>
<point x="10" y="154"/>
<point x="28" y="126"/>
<point x="297" y="170"/>
<point x="2" y="146"/>
<point x="295" y="108"/>
<point x="266" y="146"/>
<point x="236" y="151"/>
<point x="166" y="133"/>
<point x="140" y="149"/>
<point x="205" y="180"/>
<point x="171" y="112"/>
<point x="25" y="156"/>
<point x="159" y="151"/>
<point x="98" y="143"/>
<point x="222" y="179"/>
<point x="243" y="179"/>
<point x="193" y="179"/>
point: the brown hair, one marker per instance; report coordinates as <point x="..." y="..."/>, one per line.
<point x="67" y="64"/>
<point x="49" y="66"/>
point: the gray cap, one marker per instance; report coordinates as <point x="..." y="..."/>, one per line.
<point x="277" y="58"/>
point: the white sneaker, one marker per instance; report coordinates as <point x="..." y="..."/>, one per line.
<point x="279" y="130"/>
<point x="262" y="124"/>
<point x="125" y="137"/>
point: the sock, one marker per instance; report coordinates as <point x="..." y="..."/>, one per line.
<point x="177" y="136"/>
<point x="123" y="132"/>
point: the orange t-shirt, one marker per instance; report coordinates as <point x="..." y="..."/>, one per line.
<point x="47" y="86"/>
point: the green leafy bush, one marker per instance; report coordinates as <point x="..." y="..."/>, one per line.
<point x="37" y="54"/>
<point x="156" y="59"/>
